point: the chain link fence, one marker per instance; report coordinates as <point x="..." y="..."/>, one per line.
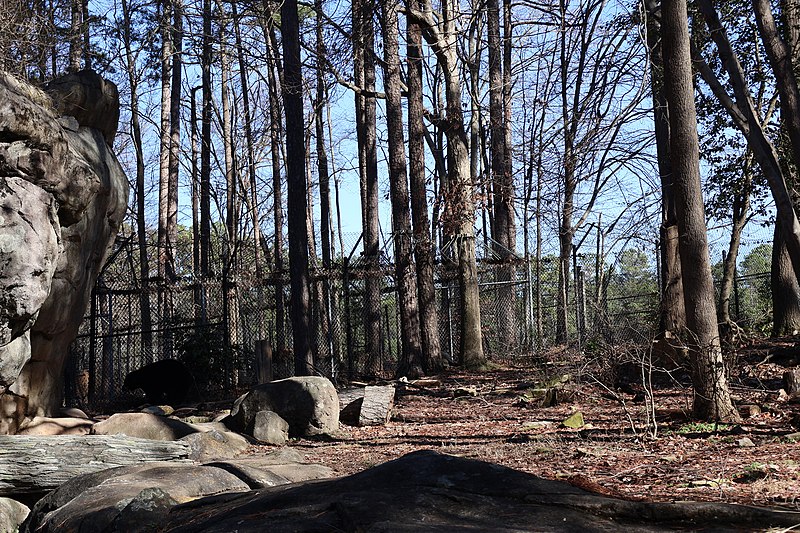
<point x="224" y="330"/>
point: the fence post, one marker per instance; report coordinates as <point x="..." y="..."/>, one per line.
<point x="581" y="296"/>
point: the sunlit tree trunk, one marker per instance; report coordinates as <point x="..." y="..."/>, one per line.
<point x="296" y="179"/>
<point x="712" y="399"/>
<point x="141" y="224"/>
<point x="460" y="208"/>
<point x="423" y="248"/>
<point x="410" y="362"/>
<point x="364" y="66"/>
<point x="672" y="315"/>
<point x="502" y="185"/>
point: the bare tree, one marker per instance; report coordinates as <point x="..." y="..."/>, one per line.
<point x="410" y="363"/>
<point x="364" y="67"/>
<point x="423" y="247"/>
<point x="460" y="208"/>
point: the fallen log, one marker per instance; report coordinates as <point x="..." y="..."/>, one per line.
<point x="33" y="464"/>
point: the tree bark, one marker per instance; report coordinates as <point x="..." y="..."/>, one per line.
<point x="711" y="394"/>
<point x="460" y="208"/>
<point x="275" y="129"/>
<point x="296" y="179"/>
<point x="672" y="315"/>
<point x="741" y="213"/>
<point x="205" y="145"/>
<point x="364" y="66"/>
<point x="141" y="224"/>
<point x="503" y="234"/>
<point x="410" y="362"/>
<point x="785" y="289"/>
<point x="164" y="252"/>
<point x="31" y="464"/>
<point x="432" y="361"/>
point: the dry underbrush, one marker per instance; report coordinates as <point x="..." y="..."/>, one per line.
<point x="638" y="440"/>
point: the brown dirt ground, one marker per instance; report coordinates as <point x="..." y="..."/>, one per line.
<point x="616" y="452"/>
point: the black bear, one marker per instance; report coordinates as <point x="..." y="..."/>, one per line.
<point x="167" y="381"/>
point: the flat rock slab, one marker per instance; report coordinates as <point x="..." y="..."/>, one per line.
<point x="139" y="497"/>
<point x="427" y="491"/>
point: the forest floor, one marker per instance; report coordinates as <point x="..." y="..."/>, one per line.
<point x="628" y="447"/>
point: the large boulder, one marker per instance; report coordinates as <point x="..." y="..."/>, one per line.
<point x="309" y="404"/>
<point x="427" y="491"/>
<point x="138" y="498"/>
<point x="63" y="196"/>
<point x="143" y="426"/>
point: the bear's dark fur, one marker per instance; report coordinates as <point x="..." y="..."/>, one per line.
<point x="167" y="381"/>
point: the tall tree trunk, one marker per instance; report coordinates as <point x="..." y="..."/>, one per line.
<point x="231" y="250"/>
<point x="672" y="315"/>
<point x="460" y="208"/>
<point x="566" y="230"/>
<point x="364" y="66"/>
<point x="275" y="129"/>
<point x="423" y="248"/>
<point x="141" y="224"/>
<point x="200" y="311"/>
<point x="164" y="252"/>
<point x="324" y="192"/>
<point x="205" y="146"/>
<point x="175" y="136"/>
<point x="251" y="162"/>
<point x="712" y="399"/>
<point x="785" y="289"/>
<point x="502" y="185"/>
<point x="296" y="179"/>
<point x="741" y="213"/>
<point x="410" y="362"/>
<point x="76" y="35"/>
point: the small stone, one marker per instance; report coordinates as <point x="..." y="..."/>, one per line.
<point x="536" y="424"/>
<point x="793" y="437"/>
<point x="749" y="410"/>
<point x="745" y="442"/>
<point x="461" y="392"/>
<point x="160" y="410"/>
<point x="270" y="428"/>
<point x="575" y="421"/>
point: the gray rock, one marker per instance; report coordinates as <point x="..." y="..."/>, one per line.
<point x="427" y="491"/>
<point x="55" y="165"/>
<point x="143" y="426"/>
<point x="212" y="445"/>
<point x="42" y="425"/>
<point x="138" y="498"/>
<point x="270" y="428"/>
<point x="91" y="100"/>
<point x="12" y="514"/>
<point x="130" y="498"/>
<point x="263" y="472"/>
<point x="309" y="404"/>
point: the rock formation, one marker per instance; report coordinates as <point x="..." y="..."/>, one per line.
<point x="62" y="199"/>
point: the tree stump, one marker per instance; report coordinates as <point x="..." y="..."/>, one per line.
<point x="376" y="407"/>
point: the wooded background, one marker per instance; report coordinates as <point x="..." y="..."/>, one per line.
<point x="510" y="170"/>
